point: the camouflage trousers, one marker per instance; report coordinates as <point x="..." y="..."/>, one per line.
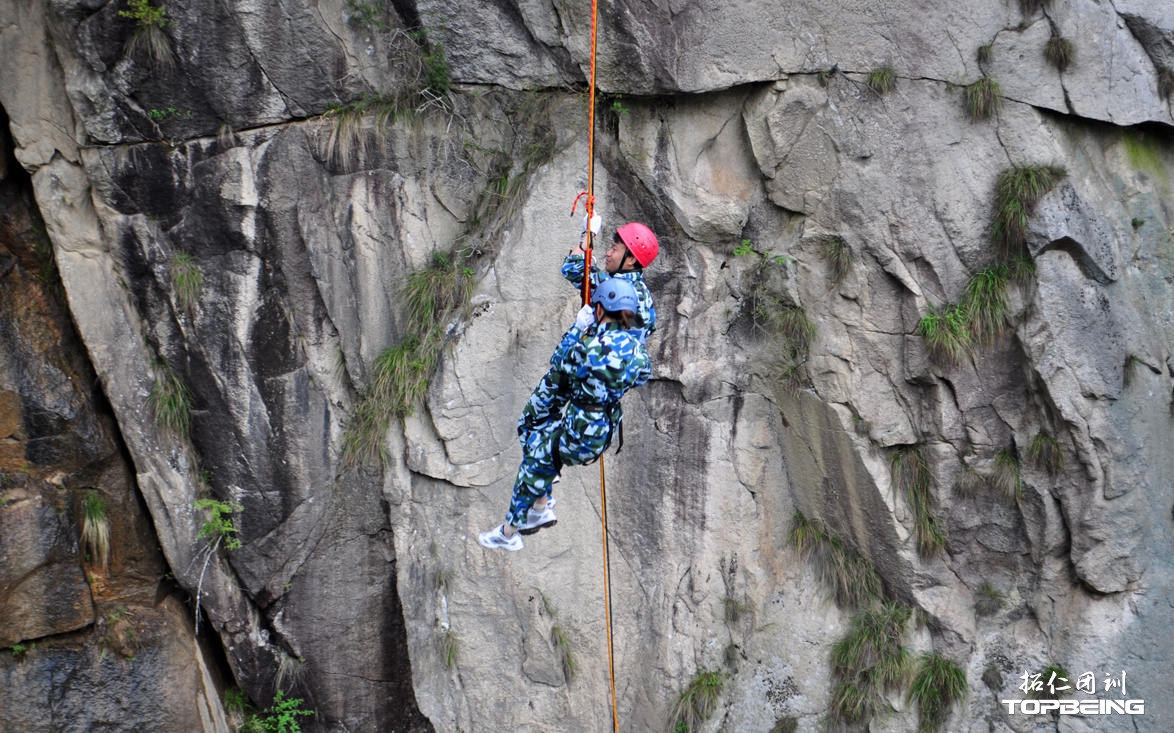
<point x="551" y="440"/>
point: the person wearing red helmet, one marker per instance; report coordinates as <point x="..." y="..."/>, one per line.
<point x="574" y="411"/>
<point x="634" y="247"/>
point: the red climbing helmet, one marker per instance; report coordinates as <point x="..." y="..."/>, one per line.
<point x="640" y="241"/>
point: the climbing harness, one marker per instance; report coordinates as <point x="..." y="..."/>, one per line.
<point x="589" y="201"/>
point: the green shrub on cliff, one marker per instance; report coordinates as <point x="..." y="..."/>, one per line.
<point x="280" y="717"/>
<point x="219" y="526"/>
<point x="20" y="650"/>
<point x="367" y="14"/>
<point x="435" y="74"/>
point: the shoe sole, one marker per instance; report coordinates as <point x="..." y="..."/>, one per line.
<point x="532" y="530"/>
<point x="507" y="548"/>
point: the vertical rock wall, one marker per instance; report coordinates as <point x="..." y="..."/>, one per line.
<point x="78" y="631"/>
<point x="259" y="152"/>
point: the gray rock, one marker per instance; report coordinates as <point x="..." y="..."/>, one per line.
<point x="44" y="589"/>
<point x="720" y="125"/>
<point x="1063" y="220"/>
<point x="63" y="685"/>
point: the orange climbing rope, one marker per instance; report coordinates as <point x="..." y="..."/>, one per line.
<point x="589" y="195"/>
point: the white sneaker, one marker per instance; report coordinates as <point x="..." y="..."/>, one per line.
<point x="536" y="520"/>
<point x="495" y="539"/>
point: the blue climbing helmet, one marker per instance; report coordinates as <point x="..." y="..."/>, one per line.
<point x="616" y="294"/>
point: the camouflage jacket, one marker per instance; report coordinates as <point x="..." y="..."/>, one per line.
<point x="590" y="371"/>
<point x="600" y="365"/>
<point x="573" y="272"/>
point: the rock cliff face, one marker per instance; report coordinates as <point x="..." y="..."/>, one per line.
<point x="916" y="296"/>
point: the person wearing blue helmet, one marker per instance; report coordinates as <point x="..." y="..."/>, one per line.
<point x="574" y="411"/>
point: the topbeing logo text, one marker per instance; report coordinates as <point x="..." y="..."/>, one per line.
<point x="1075" y="707"/>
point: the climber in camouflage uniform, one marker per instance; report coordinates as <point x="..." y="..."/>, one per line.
<point x="633" y="248"/>
<point x="574" y="411"/>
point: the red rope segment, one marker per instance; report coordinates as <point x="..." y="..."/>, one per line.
<point x="590" y="192"/>
<point x="589" y="197"/>
<point x="611" y="670"/>
<point x="590" y="155"/>
<point x="585" y="289"/>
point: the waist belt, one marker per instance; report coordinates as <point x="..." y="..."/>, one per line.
<point x="600" y="406"/>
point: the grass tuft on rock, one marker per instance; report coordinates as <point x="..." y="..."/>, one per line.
<point x="149" y="37"/>
<point x="1017" y="191"/>
<point x="353" y="124"/>
<point x="982" y="98"/>
<point x="970" y="483"/>
<point x="937" y="685"/>
<point x="96" y="530"/>
<point x="187" y="279"/>
<point x="562" y="644"/>
<point x="1006" y="479"/>
<point x="852" y="578"/>
<point x="868" y="662"/>
<point x="947" y="333"/>
<point x="785" y="724"/>
<point x="399" y="376"/>
<point x="986" y="303"/>
<point x="882" y="80"/>
<point x="698" y="702"/>
<point x="449" y="647"/>
<point x="422" y="81"/>
<point x="912" y="478"/>
<point x="1060" y="52"/>
<point x="987" y="599"/>
<point x="838" y="257"/>
<point x="170" y="402"/>
<point x="1052" y="677"/>
<point x="1046" y="454"/>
